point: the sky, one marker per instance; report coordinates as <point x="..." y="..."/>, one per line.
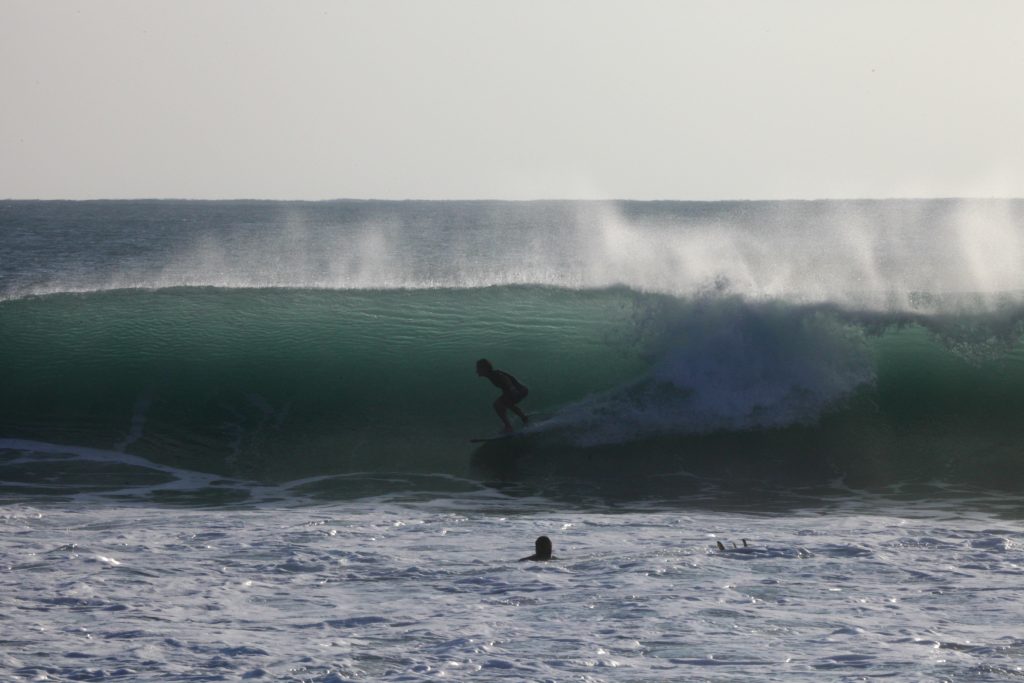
<point x="511" y="99"/>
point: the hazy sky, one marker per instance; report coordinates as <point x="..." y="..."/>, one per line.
<point x="511" y="99"/>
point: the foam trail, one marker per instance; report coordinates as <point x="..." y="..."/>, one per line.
<point x="182" y="480"/>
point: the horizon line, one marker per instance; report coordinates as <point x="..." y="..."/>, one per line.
<point x="509" y="201"/>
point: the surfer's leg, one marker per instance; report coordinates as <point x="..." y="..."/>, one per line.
<point x="520" y="413"/>
<point x="500" y="406"/>
<point x="515" y="409"/>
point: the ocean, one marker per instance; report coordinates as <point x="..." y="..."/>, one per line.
<point x="235" y="440"/>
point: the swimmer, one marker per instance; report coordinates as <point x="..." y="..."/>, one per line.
<point x="543" y="551"/>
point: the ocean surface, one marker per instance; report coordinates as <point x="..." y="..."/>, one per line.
<point x="235" y="441"/>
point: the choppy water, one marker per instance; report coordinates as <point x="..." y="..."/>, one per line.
<point x="234" y="440"/>
<point x="386" y="591"/>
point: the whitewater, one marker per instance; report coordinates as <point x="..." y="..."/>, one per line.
<point x="234" y="440"/>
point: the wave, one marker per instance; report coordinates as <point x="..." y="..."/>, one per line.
<point x="281" y="384"/>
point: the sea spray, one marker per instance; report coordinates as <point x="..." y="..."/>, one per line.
<point x="720" y="364"/>
<point x="894" y="255"/>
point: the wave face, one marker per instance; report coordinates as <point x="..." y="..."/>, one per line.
<point x="274" y="342"/>
<point x="287" y="382"/>
<point x="282" y="384"/>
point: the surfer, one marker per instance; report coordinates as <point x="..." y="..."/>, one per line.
<point x="542" y="548"/>
<point x="512" y="392"/>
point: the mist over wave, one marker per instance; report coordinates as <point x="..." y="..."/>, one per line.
<point x="895" y="255"/>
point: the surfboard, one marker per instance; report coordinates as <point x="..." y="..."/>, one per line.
<point x="535" y="419"/>
<point x="496" y="437"/>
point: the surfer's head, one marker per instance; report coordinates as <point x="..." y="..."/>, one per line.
<point x="543" y="548"/>
<point x="484" y="367"/>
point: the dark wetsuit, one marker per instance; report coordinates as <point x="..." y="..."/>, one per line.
<point x="512" y="390"/>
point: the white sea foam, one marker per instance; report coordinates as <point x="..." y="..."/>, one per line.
<point x="377" y="591"/>
<point x="723" y="366"/>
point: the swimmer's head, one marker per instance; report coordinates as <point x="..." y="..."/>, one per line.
<point x="543" y="548"/>
<point x="484" y="367"/>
